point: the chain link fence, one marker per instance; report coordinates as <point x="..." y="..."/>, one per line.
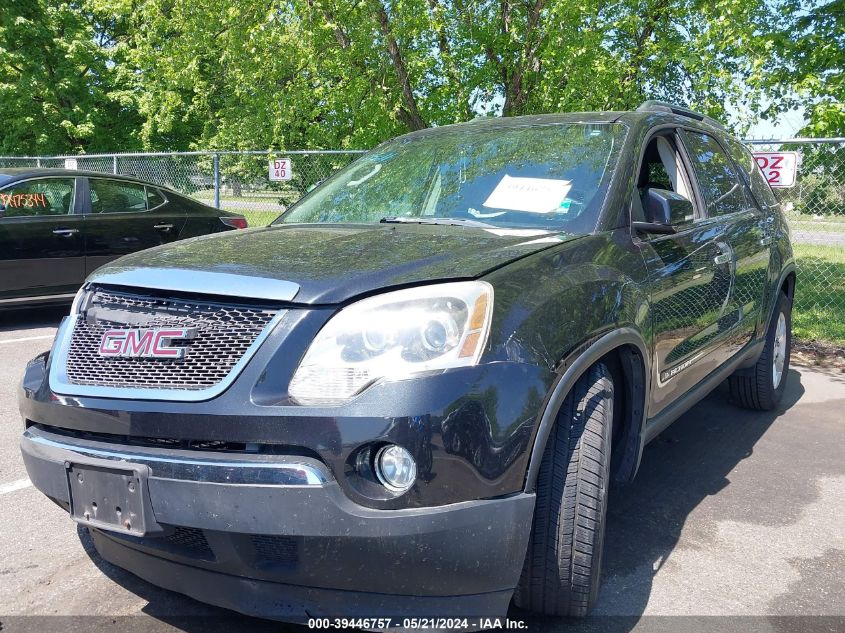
<point x="233" y="181"/>
<point x="815" y="207"/>
<point x="239" y="182"/>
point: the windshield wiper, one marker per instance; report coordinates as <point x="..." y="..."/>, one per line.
<point x="448" y="221"/>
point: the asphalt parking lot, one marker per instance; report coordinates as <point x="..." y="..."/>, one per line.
<point x="733" y="514"/>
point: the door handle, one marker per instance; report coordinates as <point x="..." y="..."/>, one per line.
<point x="725" y="255"/>
<point x="163" y="227"/>
<point x="766" y="229"/>
<point x="65" y="232"/>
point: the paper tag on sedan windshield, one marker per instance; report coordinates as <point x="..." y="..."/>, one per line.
<point x="533" y="195"/>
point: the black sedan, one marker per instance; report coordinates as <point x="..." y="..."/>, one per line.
<point x="58" y="225"/>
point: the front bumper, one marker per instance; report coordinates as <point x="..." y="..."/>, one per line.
<point x="275" y="536"/>
<point x="469" y="429"/>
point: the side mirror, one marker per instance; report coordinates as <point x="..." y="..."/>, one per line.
<point x="664" y="210"/>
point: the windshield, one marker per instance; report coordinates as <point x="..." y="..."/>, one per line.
<point x="540" y="176"/>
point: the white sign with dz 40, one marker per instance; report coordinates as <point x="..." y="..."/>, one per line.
<point x="280" y="169"/>
<point x="779" y="168"/>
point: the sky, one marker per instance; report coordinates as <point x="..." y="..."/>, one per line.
<point x="786" y="125"/>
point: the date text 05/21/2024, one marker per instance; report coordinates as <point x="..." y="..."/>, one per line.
<point x="433" y="623"/>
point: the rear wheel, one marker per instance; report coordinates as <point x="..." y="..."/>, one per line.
<point x="562" y="568"/>
<point x="762" y="386"/>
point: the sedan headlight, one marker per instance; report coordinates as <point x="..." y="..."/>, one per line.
<point x="395" y="335"/>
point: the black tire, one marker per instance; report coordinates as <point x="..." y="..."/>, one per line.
<point x="757" y="387"/>
<point x="562" y="569"/>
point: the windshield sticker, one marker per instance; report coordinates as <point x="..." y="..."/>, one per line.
<point x="479" y="214"/>
<point x="532" y="195"/>
<point x="25" y="200"/>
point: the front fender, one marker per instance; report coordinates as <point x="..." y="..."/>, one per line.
<point x="575" y="366"/>
<point x="564" y="309"/>
<point x="549" y="304"/>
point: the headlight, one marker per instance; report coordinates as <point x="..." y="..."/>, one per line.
<point x="395" y="335"/>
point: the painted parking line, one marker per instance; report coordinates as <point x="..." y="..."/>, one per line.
<point x="27" y="338"/>
<point x="12" y="486"/>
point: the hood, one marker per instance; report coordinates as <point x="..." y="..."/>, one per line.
<point x="324" y="264"/>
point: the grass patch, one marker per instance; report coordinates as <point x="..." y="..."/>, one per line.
<point x="819" y="309"/>
<point x="253" y="198"/>
<point x="829" y="224"/>
<point x="819" y="219"/>
<point x="259" y="218"/>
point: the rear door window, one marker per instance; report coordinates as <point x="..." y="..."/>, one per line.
<point x="40" y="197"/>
<point x="720" y="186"/>
<point x="154" y="198"/>
<point x="114" y="196"/>
<point x="753" y="176"/>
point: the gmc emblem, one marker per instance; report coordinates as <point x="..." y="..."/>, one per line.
<point x="145" y="343"/>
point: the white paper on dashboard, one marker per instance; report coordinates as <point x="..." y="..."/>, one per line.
<point x="517" y="232"/>
<point x="533" y="195"/>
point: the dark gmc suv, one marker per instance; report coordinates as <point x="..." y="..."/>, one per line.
<point x="410" y="394"/>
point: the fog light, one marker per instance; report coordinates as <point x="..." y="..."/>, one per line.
<point x="395" y="468"/>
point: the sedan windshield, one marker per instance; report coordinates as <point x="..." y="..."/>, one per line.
<point x="549" y="176"/>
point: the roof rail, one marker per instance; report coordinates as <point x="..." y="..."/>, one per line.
<point x="653" y="105"/>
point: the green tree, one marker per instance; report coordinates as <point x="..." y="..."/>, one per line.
<point x="337" y="73"/>
<point x="181" y="74"/>
<point x="63" y="82"/>
<point x="811" y="65"/>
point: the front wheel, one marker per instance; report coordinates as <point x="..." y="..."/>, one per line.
<point x="562" y="567"/>
<point x="762" y="386"/>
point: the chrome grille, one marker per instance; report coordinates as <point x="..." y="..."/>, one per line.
<point x="224" y="334"/>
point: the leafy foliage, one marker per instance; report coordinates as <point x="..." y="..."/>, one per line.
<point x="808" y="67"/>
<point x="354" y="72"/>
<point x="63" y="83"/>
<point x="179" y="74"/>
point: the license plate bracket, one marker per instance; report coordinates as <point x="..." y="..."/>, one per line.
<point x="111" y="498"/>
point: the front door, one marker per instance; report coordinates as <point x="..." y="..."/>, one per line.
<point x="41" y="243"/>
<point x="691" y="274"/>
